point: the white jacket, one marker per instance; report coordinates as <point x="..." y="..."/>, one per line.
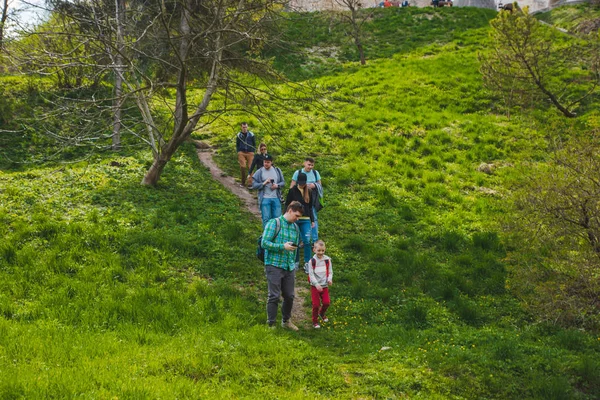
<point x="318" y="275"/>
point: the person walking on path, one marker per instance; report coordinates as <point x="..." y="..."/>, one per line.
<point x="313" y="179"/>
<point x="269" y="182"/>
<point x="257" y="162"/>
<point x="302" y="194"/>
<point x="320" y="276"/>
<point x="280" y="240"/>
<point x="245" y="145"/>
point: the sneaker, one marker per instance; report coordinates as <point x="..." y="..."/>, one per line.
<point x="324" y="318"/>
<point x="316" y="326"/>
<point x="306" y="266"/>
<point x="289" y="325"/>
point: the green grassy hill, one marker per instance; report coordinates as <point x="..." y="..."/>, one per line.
<point x="112" y="290"/>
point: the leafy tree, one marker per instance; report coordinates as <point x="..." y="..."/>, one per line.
<point x="557" y="226"/>
<point x="530" y="61"/>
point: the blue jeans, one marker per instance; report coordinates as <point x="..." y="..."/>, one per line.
<point x="305" y="235"/>
<point x="269" y="209"/>
<point x="315" y="230"/>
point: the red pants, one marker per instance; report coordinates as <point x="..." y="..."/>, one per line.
<point x="319" y="298"/>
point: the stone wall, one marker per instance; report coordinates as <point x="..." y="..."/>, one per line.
<point x="534" y="5"/>
<point x="476" y="3"/>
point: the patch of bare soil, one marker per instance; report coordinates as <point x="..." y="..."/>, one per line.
<point x="205" y="154"/>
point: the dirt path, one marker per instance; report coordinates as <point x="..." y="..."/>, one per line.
<point x="205" y="155"/>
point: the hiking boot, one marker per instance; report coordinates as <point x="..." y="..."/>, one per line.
<point x="324" y="318"/>
<point x="316" y="326"/>
<point x="289" y="325"/>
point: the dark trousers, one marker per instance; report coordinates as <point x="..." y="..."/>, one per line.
<point x="280" y="283"/>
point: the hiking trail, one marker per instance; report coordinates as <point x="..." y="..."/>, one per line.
<point x="205" y="154"/>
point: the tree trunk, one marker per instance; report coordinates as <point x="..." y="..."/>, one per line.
<point x="2" y="22"/>
<point x="153" y="174"/>
<point x="117" y="101"/>
<point x="361" y="52"/>
<point x="184" y="127"/>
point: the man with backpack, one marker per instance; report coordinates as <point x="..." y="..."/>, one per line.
<point x="269" y="182"/>
<point x="313" y="181"/>
<point x="280" y="241"/>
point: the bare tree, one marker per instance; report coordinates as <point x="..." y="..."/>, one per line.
<point x="167" y="50"/>
<point x="355" y="21"/>
<point x="530" y="61"/>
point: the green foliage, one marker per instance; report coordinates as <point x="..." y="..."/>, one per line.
<point x="114" y="290"/>
<point x="558" y="210"/>
<point x="531" y="63"/>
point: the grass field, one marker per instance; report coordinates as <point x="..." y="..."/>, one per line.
<point x="112" y="290"/>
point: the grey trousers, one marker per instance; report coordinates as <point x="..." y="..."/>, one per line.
<point x="280" y="283"/>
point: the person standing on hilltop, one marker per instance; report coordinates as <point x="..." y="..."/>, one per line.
<point x="313" y="180"/>
<point x="269" y="181"/>
<point x="280" y="240"/>
<point x="245" y="145"/>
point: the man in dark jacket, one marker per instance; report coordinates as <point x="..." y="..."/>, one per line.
<point x="245" y="145"/>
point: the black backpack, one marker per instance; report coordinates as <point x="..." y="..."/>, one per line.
<point x="260" y="252"/>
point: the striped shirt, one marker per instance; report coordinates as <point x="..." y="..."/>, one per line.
<point x="275" y="254"/>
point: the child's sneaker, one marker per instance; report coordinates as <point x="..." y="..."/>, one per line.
<point x="316" y="326"/>
<point x="324" y="318"/>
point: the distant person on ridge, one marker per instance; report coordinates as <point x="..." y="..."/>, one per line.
<point x="257" y="162"/>
<point x="269" y="182"/>
<point x="280" y="240"/>
<point x="245" y="145"/>
<point x="302" y="194"/>
<point x="313" y="180"/>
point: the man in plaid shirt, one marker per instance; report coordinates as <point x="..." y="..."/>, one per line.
<point x="280" y="256"/>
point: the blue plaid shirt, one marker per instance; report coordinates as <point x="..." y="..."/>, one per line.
<point x="275" y="254"/>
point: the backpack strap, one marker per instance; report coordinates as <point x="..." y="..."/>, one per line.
<point x="277" y="228"/>
<point x="314" y="265"/>
<point x="298" y="234"/>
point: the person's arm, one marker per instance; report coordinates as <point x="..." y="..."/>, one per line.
<point x="238" y="142"/>
<point x="294" y="178"/>
<point x="269" y="236"/>
<point x="281" y="182"/>
<point x="257" y="180"/>
<point x="311" y="274"/>
<point x="254" y="164"/>
<point x="330" y="275"/>
<point x="289" y="198"/>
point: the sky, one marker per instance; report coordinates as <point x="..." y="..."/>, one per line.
<point x="30" y="11"/>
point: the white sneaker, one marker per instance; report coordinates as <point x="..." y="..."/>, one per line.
<point x="316" y="326"/>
